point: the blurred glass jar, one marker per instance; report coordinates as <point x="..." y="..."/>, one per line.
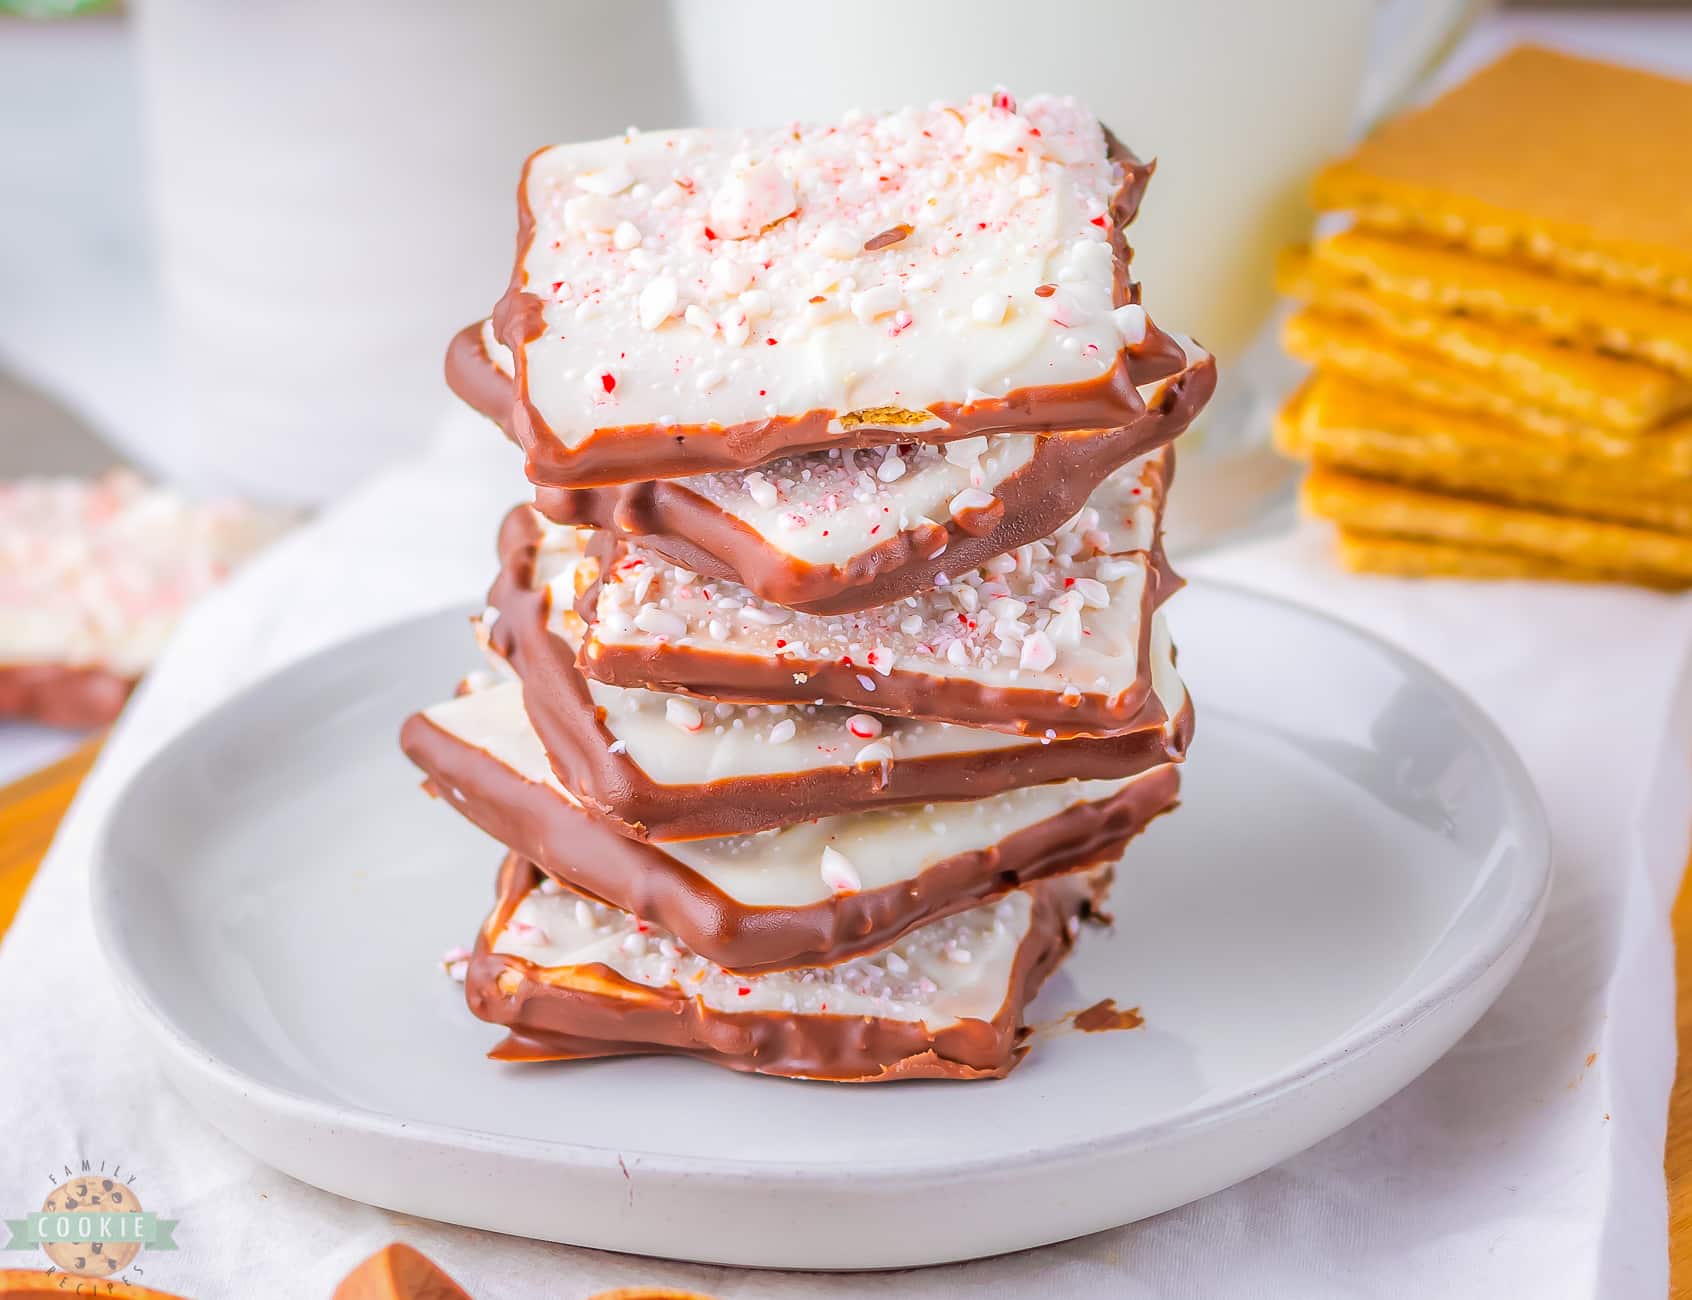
<point x="333" y="193"/>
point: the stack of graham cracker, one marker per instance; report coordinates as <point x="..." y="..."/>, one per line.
<point x="830" y="674"/>
<point x="1503" y="334"/>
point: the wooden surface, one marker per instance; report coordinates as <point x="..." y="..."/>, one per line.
<point x="30" y="811"/>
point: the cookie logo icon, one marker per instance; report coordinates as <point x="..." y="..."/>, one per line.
<point x="91" y="1224"/>
<point x="92" y="1196"/>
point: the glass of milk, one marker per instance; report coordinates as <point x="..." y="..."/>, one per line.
<point x="334" y="195"/>
<point x="1239" y="103"/>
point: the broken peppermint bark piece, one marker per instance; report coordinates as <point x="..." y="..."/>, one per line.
<point x="572" y="979"/>
<point x="1054" y="639"/>
<point x="832" y="531"/>
<point x="813" y="893"/>
<point x="843" y="530"/>
<point x="686" y="301"/>
<point x="94" y="577"/>
<point x="666" y="767"/>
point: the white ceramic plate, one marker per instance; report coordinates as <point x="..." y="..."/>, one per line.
<point x="1356" y="871"/>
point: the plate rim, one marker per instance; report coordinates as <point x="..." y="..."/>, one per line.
<point x="1341" y="1053"/>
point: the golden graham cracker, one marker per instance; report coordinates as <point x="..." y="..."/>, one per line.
<point x="1516" y="297"/>
<point x="1628" y="396"/>
<point x="1368" y="505"/>
<point x="1412" y="557"/>
<point x="1346" y="426"/>
<point x="1574" y="164"/>
<point x="1343" y="346"/>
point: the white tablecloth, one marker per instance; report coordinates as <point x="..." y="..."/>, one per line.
<point x="1527" y="1162"/>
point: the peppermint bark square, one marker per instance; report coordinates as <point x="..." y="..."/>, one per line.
<point x="812" y="893"/>
<point x="665" y="767"/>
<point x="848" y="529"/>
<point x="572" y="979"/>
<point x="94" y="576"/>
<point x="685" y="301"/>
<point x="1055" y="639"/>
<point x="829" y="532"/>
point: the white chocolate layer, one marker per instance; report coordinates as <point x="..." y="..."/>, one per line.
<point x="723" y="276"/>
<point x="96" y="574"/>
<point x="783" y="867"/>
<point x="956" y="968"/>
<point x="826" y="507"/>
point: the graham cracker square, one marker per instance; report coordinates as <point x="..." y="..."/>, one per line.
<point x="1569" y="162"/>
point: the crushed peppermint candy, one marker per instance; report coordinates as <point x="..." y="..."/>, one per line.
<point x="904" y="233"/>
<point x="917" y="977"/>
<point x="1064" y="612"/>
<point x="97" y="573"/>
<point x="683" y="714"/>
<point x="838" y="873"/>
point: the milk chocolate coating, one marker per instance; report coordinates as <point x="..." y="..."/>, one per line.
<point x="583" y="851"/>
<point x="61" y="695"/>
<point x="1031" y="503"/>
<point x="578" y="743"/>
<point x="603" y="1014"/>
<point x="634" y="453"/>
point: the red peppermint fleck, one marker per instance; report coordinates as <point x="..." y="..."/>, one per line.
<point x="1002" y="99"/>
<point x="1100" y="221"/>
<point x="608" y="381"/>
<point x="744" y="991"/>
<point x="709" y="233"/>
<point x="781" y="642"/>
<point x="770" y="342"/>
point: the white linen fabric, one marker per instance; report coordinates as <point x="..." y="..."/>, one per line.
<point x="1527" y="1162"/>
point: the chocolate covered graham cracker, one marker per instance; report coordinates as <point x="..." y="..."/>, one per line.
<point x="572" y="979"/>
<point x="690" y="301"/>
<point x="1348" y="426"/>
<point x="1542" y="157"/>
<point x="95" y="575"/>
<point x="850" y="528"/>
<point x="806" y="894"/>
<point x="666" y="767"/>
<point x="1053" y="640"/>
<point x="63" y="695"/>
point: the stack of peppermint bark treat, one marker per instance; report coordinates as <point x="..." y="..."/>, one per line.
<point x="831" y="679"/>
